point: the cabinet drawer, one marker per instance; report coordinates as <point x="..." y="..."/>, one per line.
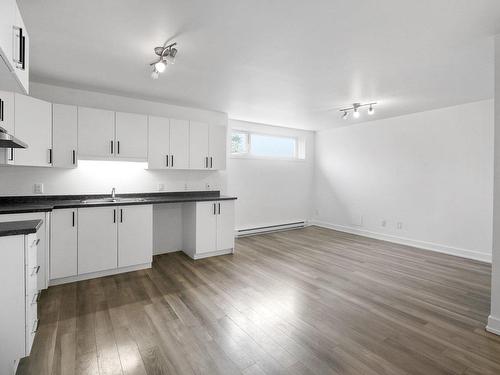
<point x="31" y="329"/>
<point x="31" y="280"/>
<point x="31" y="250"/>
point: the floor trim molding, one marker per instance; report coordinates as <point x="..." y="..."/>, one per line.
<point x="464" y="253"/>
<point x="93" y="275"/>
<point x="493" y="325"/>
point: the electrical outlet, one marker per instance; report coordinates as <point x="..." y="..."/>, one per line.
<point x="185" y="186"/>
<point x="161" y="187"/>
<point x="383" y="223"/>
<point x="38" y="188"/>
<point x="400" y="225"/>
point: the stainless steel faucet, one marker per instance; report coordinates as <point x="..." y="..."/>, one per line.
<point x="113" y="193"/>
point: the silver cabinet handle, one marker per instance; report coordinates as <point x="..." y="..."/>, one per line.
<point x="112" y="151"/>
<point x="36" y="298"/>
<point x="166" y="158"/>
<point x="36" y="323"/>
<point x="211" y="162"/>
<point x="219" y="208"/>
<point x="215" y="209"/>
<point x="35" y="270"/>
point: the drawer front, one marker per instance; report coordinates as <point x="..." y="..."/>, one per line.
<point x="31" y="250"/>
<point x="32" y="280"/>
<point x="31" y="329"/>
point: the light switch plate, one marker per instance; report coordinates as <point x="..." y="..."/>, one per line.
<point x="38" y="188"/>
<point x="161" y="187"/>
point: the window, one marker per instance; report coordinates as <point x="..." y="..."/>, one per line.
<point x="239" y="143"/>
<point x="258" y="145"/>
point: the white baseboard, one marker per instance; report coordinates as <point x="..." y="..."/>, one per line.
<point x="269" y="228"/>
<point x="493" y="325"/>
<point x="464" y="253"/>
<point x="93" y="275"/>
<point x="211" y="254"/>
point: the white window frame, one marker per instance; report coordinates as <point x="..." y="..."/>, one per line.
<point x="250" y="155"/>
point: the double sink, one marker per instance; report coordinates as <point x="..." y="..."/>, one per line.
<point x="111" y="200"/>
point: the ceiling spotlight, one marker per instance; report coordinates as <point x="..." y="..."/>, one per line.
<point x="166" y="56"/>
<point x="355" y="110"/>
<point x="160" y="66"/>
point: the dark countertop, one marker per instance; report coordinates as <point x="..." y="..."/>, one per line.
<point x="15" y="228"/>
<point x="47" y="203"/>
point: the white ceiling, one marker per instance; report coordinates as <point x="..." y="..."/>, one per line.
<point x="288" y="62"/>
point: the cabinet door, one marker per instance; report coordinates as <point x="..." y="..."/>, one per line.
<point x="198" y="145"/>
<point x="206" y="227"/>
<point x="159" y="143"/>
<point x="64" y="136"/>
<point x="96" y="133"/>
<point x="63" y="243"/>
<point x="179" y="144"/>
<point x="131" y="136"/>
<point x="225" y="225"/>
<point x="7" y="17"/>
<point x="217" y="142"/>
<point x="12" y="294"/>
<point x="21" y="51"/>
<point x="33" y="125"/>
<point x="7" y="122"/>
<point x="97" y="239"/>
<point x="135" y="235"/>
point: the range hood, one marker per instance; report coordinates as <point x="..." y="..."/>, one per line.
<point x="9" y="141"/>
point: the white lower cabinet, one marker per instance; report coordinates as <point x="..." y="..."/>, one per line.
<point x="97" y="239"/>
<point x="63" y="243"/>
<point x="19" y="291"/>
<point x="208" y="228"/>
<point x="135" y="235"/>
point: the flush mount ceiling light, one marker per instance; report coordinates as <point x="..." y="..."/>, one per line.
<point x="166" y="55"/>
<point x="355" y="109"/>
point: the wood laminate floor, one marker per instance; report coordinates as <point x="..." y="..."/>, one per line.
<point x="309" y="301"/>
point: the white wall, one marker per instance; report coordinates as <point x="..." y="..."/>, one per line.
<point x="494" y="318"/>
<point x="430" y="171"/>
<point x="271" y="191"/>
<point x="101" y="176"/>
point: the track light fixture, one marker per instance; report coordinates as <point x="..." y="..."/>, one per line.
<point x="355" y="110"/>
<point x="166" y="55"/>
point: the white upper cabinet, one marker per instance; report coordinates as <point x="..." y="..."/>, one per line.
<point x="7" y="122"/>
<point x="198" y="145"/>
<point x="158" y="143"/>
<point x="14" y="49"/>
<point x="217" y="142"/>
<point x="179" y="144"/>
<point x="64" y="136"/>
<point x="20" y="51"/>
<point x="131" y="136"/>
<point x="33" y="125"/>
<point x="96" y="133"/>
<point x="7" y="20"/>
